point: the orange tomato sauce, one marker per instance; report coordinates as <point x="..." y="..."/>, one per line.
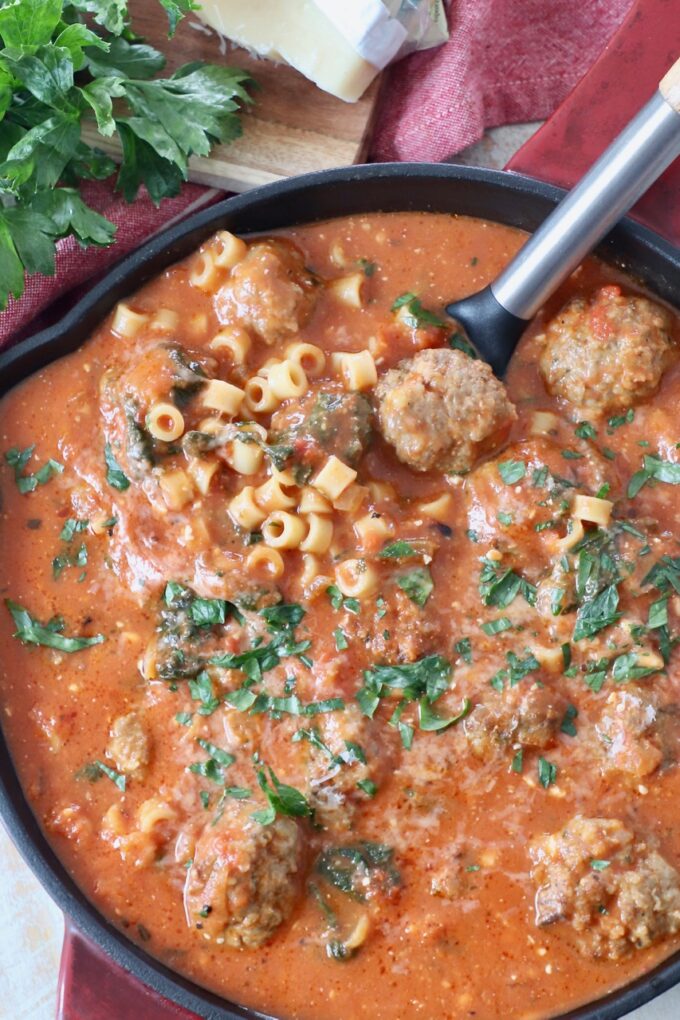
<point x="456" y="936"/>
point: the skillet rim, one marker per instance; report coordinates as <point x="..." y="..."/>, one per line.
<point x="128" y="275"/>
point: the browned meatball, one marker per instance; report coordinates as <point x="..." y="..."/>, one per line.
<point x="129" y="743"/>
<point x="526" y="715"/>
<point x="241" y="883"/>
<point x="325" y="422"/>
<point x="442" y="409"/>
<point x="607" y="352"/>
<point x="627" y="732"/>
<point x="615" y="892"/>
<point x="270" y="291"/>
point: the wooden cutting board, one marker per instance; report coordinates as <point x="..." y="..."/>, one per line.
<point x="292" y="128"/>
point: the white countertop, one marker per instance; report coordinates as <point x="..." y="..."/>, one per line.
<point x="31" y="926"/>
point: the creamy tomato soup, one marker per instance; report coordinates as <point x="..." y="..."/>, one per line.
<point x="340" y="675"/>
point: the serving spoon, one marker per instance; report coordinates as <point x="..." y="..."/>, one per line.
<point x="495" y="318"/>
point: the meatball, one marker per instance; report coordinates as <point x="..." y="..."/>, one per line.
<point x="270" y="292"/>
<point x="404" y="633"/>
<point x="129" y="743"/>
<point x="626" y="730"/>
<point x="617" y="893"/>
<point x="323" y="423"/>
<point x="607" y="352"/>
<point x="530" y="716"/>
<point x="442" y="410"/>
<point x="241" y="883"/>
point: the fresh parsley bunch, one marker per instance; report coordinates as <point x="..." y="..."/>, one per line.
<point x="61" y="62"/>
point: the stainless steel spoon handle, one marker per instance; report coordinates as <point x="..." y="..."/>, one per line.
<point x="634" y="160"/>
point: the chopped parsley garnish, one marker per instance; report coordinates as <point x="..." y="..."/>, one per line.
<point x="516" y="670"/>
<point x="499" y="586"/>
<point x="504" y="518"/>
<point x="184" y="718"/>
<point x="430" y="722"/>
<point x="459" y="342"/>
<point x="518" y="761"/>
<point x="358" y="868"/>
<point x="464" y="649"/>
<point x="620" y="419"/>
<point x="653" y="468"/>
<point x="368" y="268"/>
<point x="368" y="786"/>
<point x="115" y="475"/>
<point x="71" y="527"/>
<point x="202" y="690"/>
<point x="340" y="601"/>
<point x="571" y="454"/>
<point x="18" y="459"/>
<point x="492" y="627"/>
<point x="567" y="725"/>
<point x="213" y="767"/>
<point x="599" y="865"/>
<point x="116" y="777"/>
<point x="625" y="668"/>
<point x="585" y="430"/>
<point x="417" y="584"/>
<point x="282" y="799"/>
<point x="340" y="639"/>
<point x="512" y="471"/>
<point x="50" y="635"/>
<point x="417" y="317"/>
<point x="547" y="773"/>
<point x="597" y="613"/>
<point x="400" y="550"/>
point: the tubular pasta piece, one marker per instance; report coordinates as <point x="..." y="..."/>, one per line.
<point x="438" y="508"/>
<point x="356" y="579"/>
<point x="244" y="511"/>
<point x="333" y="478"/>
<point x="244" y="456"/>
<point x="372" y="530"/>
<point x="223" y="397"/>
<point x="287" y="379"/>
<point x="176" y="488"/>
<point x="347" y="289"/>
<point x="202" y="471"/>
<point x="381" y="491"/>
<point x="277" y="493"/>
<point x="127" y="323"/>
<point x="573" y="537"/>
<point x="358" y="371"/>
<point x="263" y="561"/>
<point x="228" y="250"/>
<point x="164" y="321"/>
<point x="543" y="423"/>
<point x="164" y="421"/>
<point x="283" y="530"/>
<point x="260" y="398"/>
<point x="153" y="811"/>
<point x="319" y="534"/>
<point x="351" y="499"/>
<point x="203" y="274"/>
<point x="592" y="509"/>
<point x="312" y="502"/>
<point x="234" y="340"/>
<point x="550" y="657"/>
<point x="309" y="357"/>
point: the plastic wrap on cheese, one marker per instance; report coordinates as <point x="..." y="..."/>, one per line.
<point x="341" y="45"/>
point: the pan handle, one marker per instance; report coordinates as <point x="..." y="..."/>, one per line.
<point x="602" y="103"/>
<point x="93" y="987"/>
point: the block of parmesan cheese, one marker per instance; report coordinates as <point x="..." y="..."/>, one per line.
<point x="299" y="33"/>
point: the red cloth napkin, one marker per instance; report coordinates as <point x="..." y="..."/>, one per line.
<point x="506" y="61"/>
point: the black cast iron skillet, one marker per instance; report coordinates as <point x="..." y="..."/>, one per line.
<point x="495" y="195"/>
